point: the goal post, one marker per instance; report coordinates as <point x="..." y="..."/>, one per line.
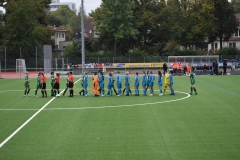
<point x="20" y="66"/>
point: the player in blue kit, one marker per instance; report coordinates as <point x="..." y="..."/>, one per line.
<point x="127" y="83"/>
<point x="160" y="82"/>
<point x="171" y="83"/>
<point x="144" y="83"/>
<point x="119" y="83"/>
<point x="110" y="84"/>
<point x="85" y="84"/>
<point x="151" y="83"/>
<point x="101" y="83"/>
<point x="136" y="84"/>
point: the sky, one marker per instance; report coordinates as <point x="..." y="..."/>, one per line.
<point x="88" y="4"/>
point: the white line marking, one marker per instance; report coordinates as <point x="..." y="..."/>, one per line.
<point x="101" y="107"/>
<point x="24" y="124"/>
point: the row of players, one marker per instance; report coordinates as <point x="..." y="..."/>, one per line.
<point x="98" y="84"/>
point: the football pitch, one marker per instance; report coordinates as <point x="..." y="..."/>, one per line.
<point x="203" y="126"/>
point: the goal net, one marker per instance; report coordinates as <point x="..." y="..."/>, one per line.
<point x="20" y="66"/>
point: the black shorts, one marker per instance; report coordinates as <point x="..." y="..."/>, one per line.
<point x="56" y="85"/>
<point x="43" y="85"/>
<point x="70" y="84"/>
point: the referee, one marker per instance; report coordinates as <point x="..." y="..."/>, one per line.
<point x="70" y="83"/>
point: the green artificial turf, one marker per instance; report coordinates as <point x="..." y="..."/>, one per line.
<point x="203" y="126"/>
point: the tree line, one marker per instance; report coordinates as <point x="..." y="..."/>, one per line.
<point x="126" y="27"/>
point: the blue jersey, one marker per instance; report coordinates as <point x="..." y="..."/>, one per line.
<point x="144" y="78"/>
<point x="170" y="79"/>
<point x="85" y="80"/>
<point x="119" y="78"/>
<point x="110" y="80"/>
<point x="136" y="80"/>
<point x="151" y="78"/>
<point x="101" y="78"/>
<point x="159" y="79"/>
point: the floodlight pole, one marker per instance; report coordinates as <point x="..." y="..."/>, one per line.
<point x="83" y="46"/>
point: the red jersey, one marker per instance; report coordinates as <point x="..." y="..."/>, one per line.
<point x="57" y="79"/>
<point x="43" y="79"/>
<point x="70" y="79"/>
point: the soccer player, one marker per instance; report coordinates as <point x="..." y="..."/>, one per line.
<point x="110" y="84"/>
<point x="192" y="81"/>
<point x="113" y="84"/>
<point x="52" y="78"/>
<point x="101" y="82"/>
<point x="85" y="84"/>
<point x="43" y="88"/>
<point x="166" y="82"/>
<point x="151" y="83"/>
<point x="70" y="84"/>
<point x="38" y="86"/>
<point x="147" y="81"/>
<point x="144" y="83"/>
<point x="171" y="83"/>
<point x="56" y="84"/>
<point x="82" y="91"/>
<point x="67" y="85"/>
<point x="160" y="82"/>
<point x="26" y="84"/>
<point x="119" y="83"/>
<point x="136" y="84"/>
<point x="95" y="85"/>
<point x="127" y="83"/>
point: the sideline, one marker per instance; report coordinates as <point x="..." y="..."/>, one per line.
<point x="214" y="86"/>
<point x="25" y="123"/>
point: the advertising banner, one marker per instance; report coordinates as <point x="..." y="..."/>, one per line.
<point x="138" y="65"/>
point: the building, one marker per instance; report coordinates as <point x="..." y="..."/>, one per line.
<point x="56" y="4"/>
<point x="234" y="40"/>
<point x="59" y="38"/>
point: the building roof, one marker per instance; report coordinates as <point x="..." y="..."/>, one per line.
<point x="89" y="28"/>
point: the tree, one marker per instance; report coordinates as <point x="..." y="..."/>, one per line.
<point x="236" y="5"/>
<point x="114" y="22"/>
<point x="25" y="25"/>
<point x="225" y="21"/>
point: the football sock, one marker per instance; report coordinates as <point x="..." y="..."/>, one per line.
<point x="194" y="89"/>
<point x="25" y="92"/>
<point x="45" y="93"/>
<point x="191" y="89"/>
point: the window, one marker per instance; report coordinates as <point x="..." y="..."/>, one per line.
<point x="237" y="33"/>
<point x="232" y="45"/>
<point x="215" y="45"/>
<point x="62" y="35"/>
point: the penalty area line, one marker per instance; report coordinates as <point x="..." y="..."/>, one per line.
<point x="25" y="123"/>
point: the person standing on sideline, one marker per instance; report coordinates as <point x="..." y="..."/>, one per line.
<point x="136" y="84"/>
<point x="160" y="82"/>
<point x="110" y="84"/>
<point x="85" y="84"/>
<point x="192" y="85"/>
<point x="224" y="67"/>
<point x="119" y="83"/>
<point x="56" y="84"/>
<point x="95" y="85"/>
<point x="165" y="67"/>
<point x="52" y="79"/>
<point x="38" y="85"/>
<point x="174" y="66"/>
<point x="179" y="66"/>
<point x="127" y="83"/>
<point x="26" y="84"/>
<point x="171" y="83"/>
<point x="43" y="88"/>
<point x="144" y="83"/>
<point x="70" y="84"/>
<point x="67" y="85"/>
<point x="151" y="83"/>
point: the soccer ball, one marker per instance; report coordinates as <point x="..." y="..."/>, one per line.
<point x="58" y="95"/>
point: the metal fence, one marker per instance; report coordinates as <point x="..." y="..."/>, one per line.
<point x="35" y="61"/>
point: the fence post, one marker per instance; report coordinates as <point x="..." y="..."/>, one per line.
<point x="36" y="58"/>
<point x="0" y="70"/>
<point x="5" y="58"/>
